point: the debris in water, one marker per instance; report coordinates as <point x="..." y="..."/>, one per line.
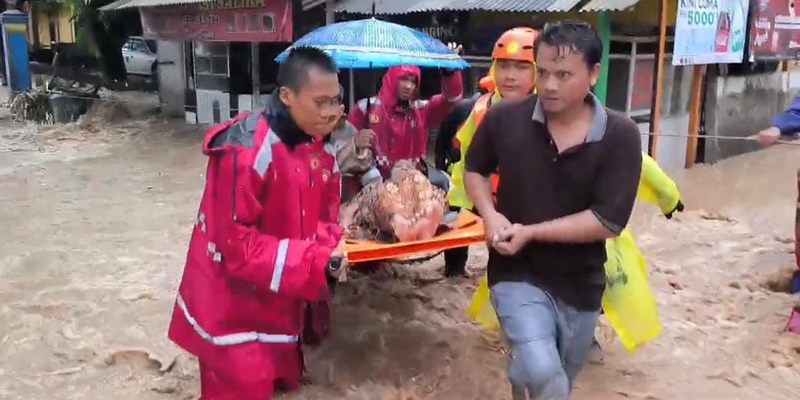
<point x="717" y="217"/>
<point x="162" y="387"/>
<point x="65" y="371"/>
<point x="32" y="106"/>
<point x="780" y="281"/>
<point x="58" y="101"/>
<point x="135" y="360"/>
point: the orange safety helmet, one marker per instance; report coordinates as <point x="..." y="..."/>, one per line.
<point x="516" y="44"/>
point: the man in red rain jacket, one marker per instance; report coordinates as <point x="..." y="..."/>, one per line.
<point x="266" y="231"/>
<point x="394" y="124"/>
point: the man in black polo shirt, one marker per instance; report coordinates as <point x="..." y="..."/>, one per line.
<point x="569" y="170"/>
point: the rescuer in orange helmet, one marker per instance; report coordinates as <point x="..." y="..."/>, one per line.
<point x="512" y="75"/>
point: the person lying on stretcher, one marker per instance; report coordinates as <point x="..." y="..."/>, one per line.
<point x="410" y="205"/>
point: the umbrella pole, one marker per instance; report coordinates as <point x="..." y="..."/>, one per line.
<point x="352" y="90"/>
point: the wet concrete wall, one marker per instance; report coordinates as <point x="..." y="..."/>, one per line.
<point x="740" y="106"/>
<point x="671" y="149"/>
<point x="171" y="77"/>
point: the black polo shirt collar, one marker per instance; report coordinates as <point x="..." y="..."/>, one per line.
<point x="599" y="123"/>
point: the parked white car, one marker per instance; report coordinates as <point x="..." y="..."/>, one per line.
<point x="140" y="56"/>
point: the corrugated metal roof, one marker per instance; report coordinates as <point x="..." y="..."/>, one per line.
<point x="384" y="7"/>
<point x="123" y="4"/>
<point x="609" y="5"/>
<point x="307" y="4"/>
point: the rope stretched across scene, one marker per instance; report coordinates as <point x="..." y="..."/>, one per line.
<point x="675" y="135"/>
<point x="747" y="138"/>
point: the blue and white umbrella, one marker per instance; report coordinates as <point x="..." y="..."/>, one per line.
<point x="371" y="43"/>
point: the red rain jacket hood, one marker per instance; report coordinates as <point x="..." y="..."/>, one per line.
<point x="391" y="80"/>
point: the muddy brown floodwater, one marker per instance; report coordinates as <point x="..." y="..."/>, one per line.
<point x="95" y="223"/>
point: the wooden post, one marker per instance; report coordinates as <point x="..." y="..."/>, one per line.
<point x="604" y="30"/>
<point x="655" y="110"/>
<point x="632" y="80"/>
<point x="695" y="110"/>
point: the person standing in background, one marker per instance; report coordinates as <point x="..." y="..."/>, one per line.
<point x="444" y="152"/>
<point x="395" y="124"/>
<point x="355" y="158"/>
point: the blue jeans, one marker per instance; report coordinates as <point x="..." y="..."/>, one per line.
<point x="549" y="340"/>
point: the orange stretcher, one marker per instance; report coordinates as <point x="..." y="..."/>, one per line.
<point x="466" y="230"/>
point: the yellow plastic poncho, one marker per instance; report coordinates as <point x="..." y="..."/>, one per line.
<point x="628" y="302"/>
<point x="457" y="196"/>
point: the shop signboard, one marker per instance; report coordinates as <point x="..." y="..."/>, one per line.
<point x="775" y="34"/>
<point x="445" y="26"/>
<point x="710" y="32"/>
<point x="222" y="21"/>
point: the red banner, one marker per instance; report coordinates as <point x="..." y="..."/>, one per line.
<point x="221" y="21"/>
<point x="775" y="33"/>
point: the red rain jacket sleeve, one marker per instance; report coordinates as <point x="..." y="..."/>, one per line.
<point x="439" y="105"/>
<point x="357" y="117"/>
<point x="329" y="233"/>
<point x="295" y="268"/>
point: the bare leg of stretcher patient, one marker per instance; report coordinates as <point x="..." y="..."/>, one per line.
<point x="407" y="207"/>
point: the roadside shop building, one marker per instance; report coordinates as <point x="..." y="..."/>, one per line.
<point x="215" y="58"/>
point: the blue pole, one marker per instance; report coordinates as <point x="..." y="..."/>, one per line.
<point x="15" y="50"/>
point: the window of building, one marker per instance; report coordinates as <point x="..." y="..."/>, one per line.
<point x="252" y="23"/>
<point x="267" y="23"/>
<point x="211" y="58"/>
<point x="52" y="29"/>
